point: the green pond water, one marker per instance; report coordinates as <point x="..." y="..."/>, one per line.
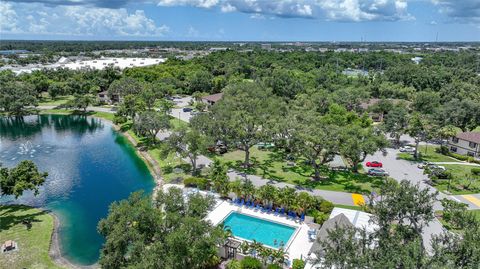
<point x="90" y="165"/>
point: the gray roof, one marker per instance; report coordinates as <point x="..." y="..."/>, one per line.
<point x="340" y="221"/>
<point x="470" y="136"/>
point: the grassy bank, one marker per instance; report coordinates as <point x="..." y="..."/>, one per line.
<point x="33" y="239"/>
<point x="103" y="115"/>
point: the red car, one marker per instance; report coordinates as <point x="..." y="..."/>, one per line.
<point x="374" y="164"/>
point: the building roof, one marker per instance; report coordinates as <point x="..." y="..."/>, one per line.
<point x="373" y="101"/>
<point x="470" y="136"/>
<point x="345" y="218"/>
<point x="331" y="224"/>
<point x="214" y="97"/>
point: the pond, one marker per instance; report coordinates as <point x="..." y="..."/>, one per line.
<point x="89" y="164"/>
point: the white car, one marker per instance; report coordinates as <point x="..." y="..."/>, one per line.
<point x="407" y="149"/>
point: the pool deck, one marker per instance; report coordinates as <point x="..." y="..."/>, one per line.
<point x="298" y="245"/>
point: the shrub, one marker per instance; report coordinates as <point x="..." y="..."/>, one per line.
<point x="233" y="264"/>
<point x="318" y="216"/>
<point x="298" y="264"/>
<point x="274" y="266"/>
<point x="190" y="182"/>
<point x="326" y="206"/>
<point x="119" y="119"/>
<point x="475" y="171"/>
<point x="458" y="156"/>
<point x="201" y="183"/>
<point x="442" y="150"/>
<point x="251" y="263"/>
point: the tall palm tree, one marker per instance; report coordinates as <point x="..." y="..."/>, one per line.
<point x="236" y="187"/>
<point x="245" y="247"/>
<point x="266" y="194"/>
<point x="256" y="247"/>
<point x="304" y="201"/>
<point x="279" y="256"/>
<point x="264" y="254"/>
<point x="286" y="196"/>
<point x="248" y="189"/>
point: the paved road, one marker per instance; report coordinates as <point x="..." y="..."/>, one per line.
<point x="180" y="103"/>
<point x="401" y="169"/>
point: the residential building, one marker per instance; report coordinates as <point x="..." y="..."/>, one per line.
<point x="210" y="100"/>
<point x="467" y="143"/>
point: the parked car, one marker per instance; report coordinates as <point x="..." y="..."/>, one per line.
<point x="187" y="109"/>
<point x="407" y="149"/>
<point x="377" y="172"/>
<point x="374" y="164"/>
<point x="423" y="165"/>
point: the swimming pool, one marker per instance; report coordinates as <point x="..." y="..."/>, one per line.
<point x="251" y="228"/>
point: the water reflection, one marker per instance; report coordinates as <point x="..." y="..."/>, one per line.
<point x="27" y="126"/>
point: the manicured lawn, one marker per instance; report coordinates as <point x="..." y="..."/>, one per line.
<point x="427" y="154"/>
<point x="60" y="100"/>
<point x="460" y="174"/>
<point x="104" y="115"/>
<point x="33" y="241"/>
<point x="352" y="207"/>
<point x="168" y="162"/>
<point x="271" y="164"/>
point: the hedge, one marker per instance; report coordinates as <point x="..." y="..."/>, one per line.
<point x="251" y="263"/>
<point x="298" y="264"/>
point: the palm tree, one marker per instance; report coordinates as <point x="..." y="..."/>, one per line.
<point x="256" y="247"/>
<point x="245" y="247"/>
<point x="286" y="196"/>
<point x="304" y="201"/>
<point x="248" y="189"/>
<point x="267" y="194"/>
<point x="236" y="187"/>
<point x="279" y="256"/>
<point x="218" y="174"/>
<point x="264" y="254"/>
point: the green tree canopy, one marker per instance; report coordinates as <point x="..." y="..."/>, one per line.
<point x="16" y="180"/>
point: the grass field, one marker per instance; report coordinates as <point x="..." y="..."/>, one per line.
<point x="271" y="164"/>
<point x="427" y="154"/>
<point x="352" y="207"/>
<point x="33" y="241"/>
<point x="460" y="173"/>
<point x="103" y="115"/>
<point x="60" y="100"/>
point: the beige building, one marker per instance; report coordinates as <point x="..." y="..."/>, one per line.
<point x="467" y="143"/>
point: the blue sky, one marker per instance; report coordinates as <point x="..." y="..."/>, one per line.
<point x="236" y="20"/>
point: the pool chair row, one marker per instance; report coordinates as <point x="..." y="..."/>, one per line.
<point x="279" y="211"/>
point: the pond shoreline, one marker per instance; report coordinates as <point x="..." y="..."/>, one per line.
<point x="152" y="165"/>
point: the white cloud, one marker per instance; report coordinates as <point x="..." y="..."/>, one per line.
<point x="464" y="11"/>
<point x="8" y="18"/>
<point x="227" y="8"/>
<point x="335" y="10"/>
<point x="78" y="20"/>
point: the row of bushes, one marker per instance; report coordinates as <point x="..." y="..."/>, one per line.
<point x="316" y="207"/>
<point x="445" y="151"/>
<point x="253" y="263"/>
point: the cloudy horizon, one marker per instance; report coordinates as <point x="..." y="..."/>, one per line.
<point x="242" y="20"/>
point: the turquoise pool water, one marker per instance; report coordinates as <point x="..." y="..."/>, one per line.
<point x="266" y="232"/>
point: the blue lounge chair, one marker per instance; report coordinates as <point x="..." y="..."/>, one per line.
<point x="302" y="217"/>
<point x="269" y="209"/>
<point x="258" y="207"/>
<point x="282" y="211"/>
<point x="242" y="202"/>
<point x="277" y="211"/>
